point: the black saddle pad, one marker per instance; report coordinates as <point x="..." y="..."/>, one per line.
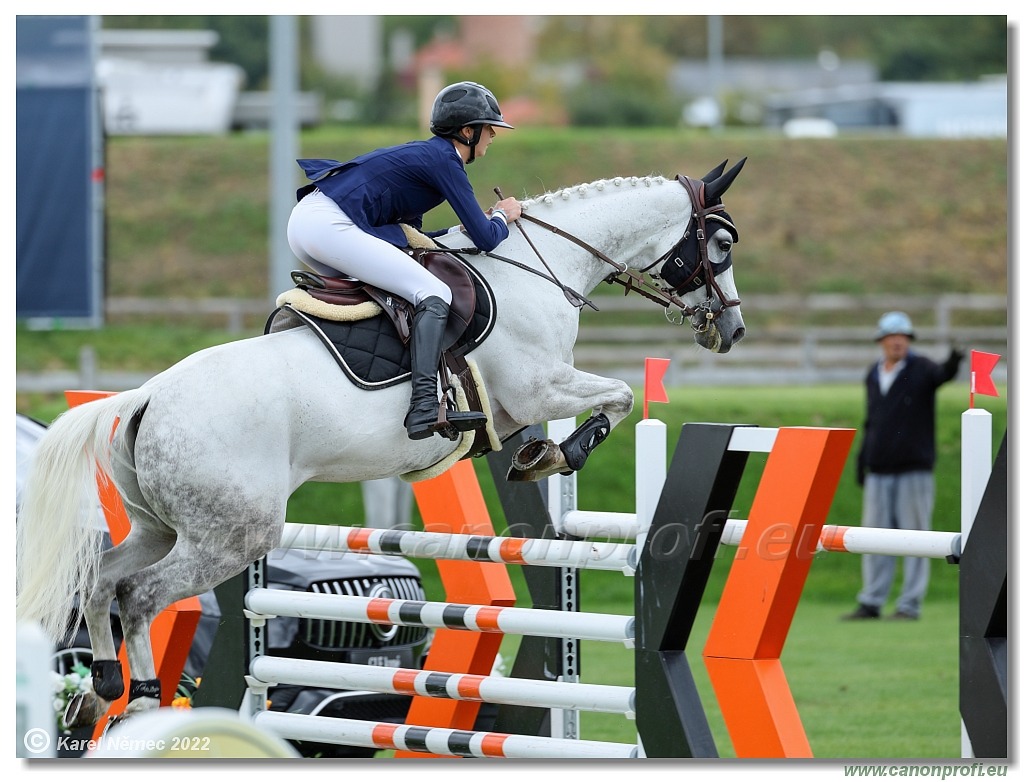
<point x="370" y="352"/>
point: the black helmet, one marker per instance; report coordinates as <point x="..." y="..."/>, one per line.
<point x="461" y="104"/>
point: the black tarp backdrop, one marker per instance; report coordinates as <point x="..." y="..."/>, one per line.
<point x="59" y="176"/>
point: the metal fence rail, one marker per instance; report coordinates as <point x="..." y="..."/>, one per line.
<point x="819" y="338"/>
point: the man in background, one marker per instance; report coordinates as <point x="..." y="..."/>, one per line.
<point x="896" y="462"/>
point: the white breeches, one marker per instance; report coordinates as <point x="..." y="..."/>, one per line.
<point x="324" y="238"/>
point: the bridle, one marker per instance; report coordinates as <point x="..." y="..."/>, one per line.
<point x="704" y="314"/>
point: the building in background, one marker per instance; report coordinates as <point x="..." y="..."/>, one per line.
<point x="917" y="109"/>
<point x="349" y="47"/>
<point x="161" y="82"/>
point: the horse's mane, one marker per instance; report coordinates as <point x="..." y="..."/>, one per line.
<point x="600" y="185"/>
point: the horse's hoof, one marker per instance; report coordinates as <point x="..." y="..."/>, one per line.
<point x="137" y="706"/>
<point x="536" y="460"/>
<point x="84" y="710"/>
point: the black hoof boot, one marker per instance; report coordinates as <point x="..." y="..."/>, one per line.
<point x="107" y="679"/>
<point x="590" y="434"/>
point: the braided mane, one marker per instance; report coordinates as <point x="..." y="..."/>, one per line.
<point x="600" y="185"/>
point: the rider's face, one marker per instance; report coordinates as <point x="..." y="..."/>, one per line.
<point x="487" y="135"/>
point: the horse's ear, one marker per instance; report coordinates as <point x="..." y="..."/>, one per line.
<point x="714" y="173"/>
<point x="716" y="189"/>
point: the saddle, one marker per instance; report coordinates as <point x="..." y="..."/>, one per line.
<point x="367" y="329"/>
<point x="350" y="292"/>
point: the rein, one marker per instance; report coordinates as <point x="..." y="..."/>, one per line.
<point x="576" y="299"/>
<point x="633" y="281"/>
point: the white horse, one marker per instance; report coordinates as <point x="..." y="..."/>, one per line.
<point x="206" y="454"/>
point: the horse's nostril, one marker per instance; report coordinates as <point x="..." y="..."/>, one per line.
<point x="738" y="334"/>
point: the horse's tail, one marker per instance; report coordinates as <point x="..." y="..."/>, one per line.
<point x="60" y="523"/>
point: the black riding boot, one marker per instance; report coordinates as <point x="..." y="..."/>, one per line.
<point x="428" y="324"/>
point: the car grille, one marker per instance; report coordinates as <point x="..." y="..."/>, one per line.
<point x="326" y="634"/>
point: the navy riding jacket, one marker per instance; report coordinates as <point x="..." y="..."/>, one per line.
<point x="400" y="184"/>
<point x="899" y="430"/>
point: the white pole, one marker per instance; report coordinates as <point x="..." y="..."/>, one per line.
<point x="975" y="468"/>
<point x="650" y="470"/>
<point x="600" y="525"/>
<point x="561" y="488"/>
<point x="975" y="464"/>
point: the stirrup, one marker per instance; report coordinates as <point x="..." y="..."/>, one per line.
<point x="466" y="420"/>
<point x="447" y="423"/>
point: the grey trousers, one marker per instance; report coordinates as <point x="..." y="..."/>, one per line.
<point x="903" y="501"/>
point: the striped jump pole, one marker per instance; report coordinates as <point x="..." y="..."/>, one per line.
<point x="853" y="540"/>
<point x="861" y="540"/>
<point x="480" y="619"/>
<point x="456" y="686"/>
<point x="545" y="552"/>
<point x="439" y="741"/>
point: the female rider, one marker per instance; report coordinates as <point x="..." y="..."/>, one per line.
<point x="347" y="221"/>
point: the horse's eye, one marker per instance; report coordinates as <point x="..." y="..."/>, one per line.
<point x="725" y="245"/>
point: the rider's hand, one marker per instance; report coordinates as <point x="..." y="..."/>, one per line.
<point x="511" y="207"/>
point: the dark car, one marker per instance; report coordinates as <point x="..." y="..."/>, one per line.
<point x="311" y="639"/>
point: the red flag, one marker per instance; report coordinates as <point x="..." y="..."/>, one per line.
<point x="654" y="388"/>
<point x="981" y="373"/>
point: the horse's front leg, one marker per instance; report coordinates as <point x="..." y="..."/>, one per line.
<point x="567" y="393"/>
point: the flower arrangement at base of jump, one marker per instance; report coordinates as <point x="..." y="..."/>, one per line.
<point x="186" y="689"/>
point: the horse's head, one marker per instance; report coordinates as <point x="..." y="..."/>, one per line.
<point x="698" y="269"/>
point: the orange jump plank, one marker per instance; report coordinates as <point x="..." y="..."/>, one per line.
<point x="453" y="503"/>
<point x="763" y="589"/>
